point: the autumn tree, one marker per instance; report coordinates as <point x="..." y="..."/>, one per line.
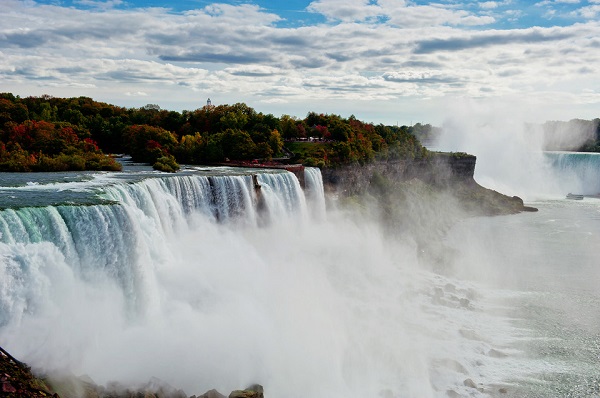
<point x="147" y="143"/>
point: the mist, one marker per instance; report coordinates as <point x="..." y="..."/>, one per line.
<point x="541" y="267"/>
<point x="407" y="297"/>
<point x="509" y="141"/>
<point x="325" y="310"/>
<point x="305" y="305"/>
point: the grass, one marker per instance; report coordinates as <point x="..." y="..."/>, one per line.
<point x="308" y="150"/>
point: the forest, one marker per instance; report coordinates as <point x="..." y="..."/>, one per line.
<point x="57" y="134"/>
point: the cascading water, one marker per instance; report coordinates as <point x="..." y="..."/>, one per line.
<point x="578" y="172"/>
<point x="315" y="192"/>
<point x="291" y="202"/>
<point x="208" y="281"/>
<point x="205" y="280"/>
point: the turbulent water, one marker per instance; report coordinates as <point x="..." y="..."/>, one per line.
<point x="576" y="171"/>
<point x="213" y="278"/>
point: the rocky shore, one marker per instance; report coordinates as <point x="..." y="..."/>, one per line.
<point x="19" y="381"/>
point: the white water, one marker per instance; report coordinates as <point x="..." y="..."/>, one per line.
<point x="315" y="191"/>
<point x="509" y="150"/>
<point x="541" y="268"/>
<point x="191" y="279"/>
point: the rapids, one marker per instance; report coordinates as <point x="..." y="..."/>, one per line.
<point x="205" y="281"/>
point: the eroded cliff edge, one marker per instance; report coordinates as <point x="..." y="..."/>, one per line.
<point x="451" y="174"/>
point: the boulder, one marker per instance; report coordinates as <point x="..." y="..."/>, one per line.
<point x="212" y="394"/>
<point x="17" y="380"/>
<point x="496" y="354"/>
<point x="470" y="383"/>
<point x="254" y="391"/>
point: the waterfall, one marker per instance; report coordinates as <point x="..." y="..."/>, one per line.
<point x="577" y="171"/>
<point x="222" y="279"/>
<point x="315" y="193"/>
<point x="122" y="242"/>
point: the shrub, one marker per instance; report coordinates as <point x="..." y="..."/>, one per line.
<point x="310" y="162"/>
<point x="166" y="163"/>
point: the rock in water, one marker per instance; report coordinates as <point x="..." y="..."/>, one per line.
<point x="212" y="394"/>
<point x="497" y="354"/>
<point x="470" y="383"/>
<point x="254" y="391"/>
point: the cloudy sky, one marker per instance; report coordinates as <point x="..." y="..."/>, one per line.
<point x="389" y="61"/>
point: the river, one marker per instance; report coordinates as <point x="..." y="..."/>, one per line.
<point x="204" y="282"/>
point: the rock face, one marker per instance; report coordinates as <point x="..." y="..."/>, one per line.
<point x="439" y="169"/>
<point x="16" y="379"/>
<point x="70" y="386"/>
<point x="451" y="173"/>
<point x="210" y="394"/>
<point x="254" y="391"/>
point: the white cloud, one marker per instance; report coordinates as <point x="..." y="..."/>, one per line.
<point x="101" y="4"/>
<point x="136" y="94"/>
<point x="400" y="13"/>
<point x="254" y="70"/>
<point x="274" y="101"/>
<point x="488" y="5"/>
<point x="590" y="12"/>
<point x="346" y="10"/>
<point x="238" y="53"/>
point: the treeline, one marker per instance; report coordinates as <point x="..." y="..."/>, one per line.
<point x="49" y="134"/>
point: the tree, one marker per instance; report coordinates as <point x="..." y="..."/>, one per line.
<point x="238" y="144"/>
<point x="12" y="111"/>
<point x="234" y="119"/>
<point x="214" y="148"/>
<point x="275" y="142"/>
<point x="301" y="130"/>
<point x="288" y="127"/>
<point x="264" y="151"/>
<point x="192" y="149"/>
<point x="147" y="143"/>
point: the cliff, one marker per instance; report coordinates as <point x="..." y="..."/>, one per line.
<point x="16" y="379"/>
<point x="451" y="173"/>
<point x="440" y="169"/>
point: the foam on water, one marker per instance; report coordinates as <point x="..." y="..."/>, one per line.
<point x="206" y="281"/>
<point x="193" y="280"/>
<point x="542" y="269"/>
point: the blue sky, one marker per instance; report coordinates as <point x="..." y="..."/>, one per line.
<point x="297" y="12"/>
<point x="389" y="61"/>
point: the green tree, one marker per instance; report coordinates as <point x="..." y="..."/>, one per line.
<point x="275" y="142"/>
<point x="214" y="148"/>
<point x="238" y="144"/>
<point x="192" y="149"/>
<point x="288" y="126"/>
<point x="147" y="143"/>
